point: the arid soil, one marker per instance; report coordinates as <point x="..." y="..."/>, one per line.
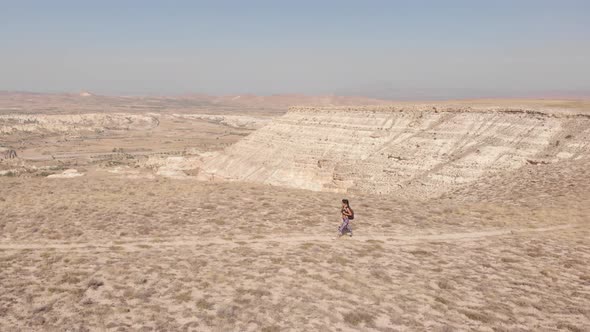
<point x="115" y="230"/>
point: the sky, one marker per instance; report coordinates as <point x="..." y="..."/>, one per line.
<point x="388" y="49"/>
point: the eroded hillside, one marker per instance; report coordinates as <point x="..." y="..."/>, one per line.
<point x="410" y="151"/>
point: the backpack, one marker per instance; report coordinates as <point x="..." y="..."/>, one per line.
<point x="351" y="214"/>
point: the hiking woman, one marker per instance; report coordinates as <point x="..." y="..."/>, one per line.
<point x="347" y="216"/>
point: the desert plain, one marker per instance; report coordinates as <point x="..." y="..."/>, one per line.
<point x="198" y="213"/>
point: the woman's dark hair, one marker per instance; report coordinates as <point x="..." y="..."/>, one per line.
<point x="345" y="201"/>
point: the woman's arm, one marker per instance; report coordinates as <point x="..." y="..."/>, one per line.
<point x="347" y="212"/>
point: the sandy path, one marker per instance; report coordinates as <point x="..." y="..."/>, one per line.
<point x="136" y="244"/>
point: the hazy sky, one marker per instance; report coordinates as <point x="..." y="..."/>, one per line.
<point x="405" y="49"/>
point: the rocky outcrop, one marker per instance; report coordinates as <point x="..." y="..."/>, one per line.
<point x="172" y="166"/>
<point x="410" y="151"/>
<point x="67" y="174"/>
<point x="13" y="123"/>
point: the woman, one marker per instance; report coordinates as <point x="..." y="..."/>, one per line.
<point x="347" y="216"/>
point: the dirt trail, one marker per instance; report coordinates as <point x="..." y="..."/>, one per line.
<point x="137" y="244"/>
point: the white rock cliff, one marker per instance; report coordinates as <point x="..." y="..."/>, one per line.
<point x="414" y="151"/>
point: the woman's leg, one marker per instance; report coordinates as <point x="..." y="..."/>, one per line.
<point x="344" y="226"/>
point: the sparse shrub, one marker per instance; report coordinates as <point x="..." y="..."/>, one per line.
<point x="184" y="297"/>
<point x="56" y="290"/>
<point x="209" y="206"/>
<point x="228" y="313"/>
<point x="57" y="168"/>
<point x="478" y="316"/>
<point x="112" y="163"/>
<point x="204" y="304"/>
<point x="374" y="250"/>
<point x="420" y="252"/>
<point x="254" y="292"/>
<point x="94" y="283"/>
<point x="68" y="278"/>
<point x="380" y="274"/>
<point x="45" y="174"/>
<point x="355" y="318"/>
<point x="306" y="245"/>
<point x="444" y="284"/>
<point x="441" y="300"/>
<point x="276" y="260"/>
<point x="569" y="327"/>
<point x="535" y="252"/>
<point x="509" y="260"/>
<point x="308" y="259"/>
<point x="242" y="300"/>
<point x="448" y="210"/>
<point x="43" y="308"/>
<point x="338" y="259"/>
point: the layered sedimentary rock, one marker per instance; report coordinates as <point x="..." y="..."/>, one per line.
<point x="235" y="121"/>
<point x="416" y="151"/>
<point x="11" y="123"/>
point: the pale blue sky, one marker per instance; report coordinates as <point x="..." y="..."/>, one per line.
<point x="399" y="49"/>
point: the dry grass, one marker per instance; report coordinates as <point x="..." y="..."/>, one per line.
<point x="203" y="304"/>
<point x="180" y="265"/>
<point x="107" y="252"/>
<point x="477" y="316"/>
<point x="356" y="318"/>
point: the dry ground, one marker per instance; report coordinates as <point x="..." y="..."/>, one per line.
<point x="107" y="252"/>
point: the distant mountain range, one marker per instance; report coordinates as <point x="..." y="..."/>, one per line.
<point x="250" y="100"/>
<point x="85" y="100"/>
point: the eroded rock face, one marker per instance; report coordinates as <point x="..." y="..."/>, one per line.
<point x="11" y="123"/>
<point x="409" y="151"/>
<point x="235" y="121"/>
